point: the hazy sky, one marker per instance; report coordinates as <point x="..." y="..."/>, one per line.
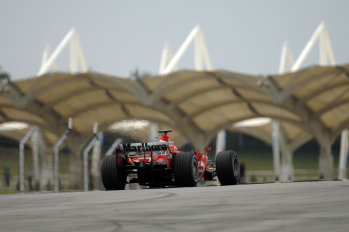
<point x="118" y="36"/>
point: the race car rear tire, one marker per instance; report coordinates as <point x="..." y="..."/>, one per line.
<point x="186" y="169"/>
<point x="113" y="177"/>
<point x="227" y="167"/>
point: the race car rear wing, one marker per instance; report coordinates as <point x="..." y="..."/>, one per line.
<point x="141" y="147"/>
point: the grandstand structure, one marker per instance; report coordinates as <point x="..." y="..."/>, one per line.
<point x="304" y="103"/>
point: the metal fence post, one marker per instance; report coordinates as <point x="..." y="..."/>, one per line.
<point x="56" y="152"/>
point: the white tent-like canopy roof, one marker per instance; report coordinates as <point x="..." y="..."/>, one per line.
<point x="197" y="104"/>
<point x="318" y="95"/>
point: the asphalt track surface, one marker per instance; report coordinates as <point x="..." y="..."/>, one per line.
<point x="306" y="206"/>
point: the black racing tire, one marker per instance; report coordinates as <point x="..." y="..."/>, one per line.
<point x="186" y="169"/>
<point x="227" y="168"/>
<point x="113" y="177"/>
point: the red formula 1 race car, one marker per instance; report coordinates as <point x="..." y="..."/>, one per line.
<point x="160" y="164"/>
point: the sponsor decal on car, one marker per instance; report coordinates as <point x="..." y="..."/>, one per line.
<point x="138" y="147"/>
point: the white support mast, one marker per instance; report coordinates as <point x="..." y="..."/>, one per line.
<point x="76" y="55"/>
<point x="166" y="56"/>
<point x="200" y="53"/>
<point x="204" y="51"/>
<point x="286" y="60"/>
<point x="326" y="52"/>
<point x="45" y="56"/>
<point x="169" y="67"/>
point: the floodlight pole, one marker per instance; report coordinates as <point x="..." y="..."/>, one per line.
<point x="21" y="156"/>
<point x="56" y="152"/>
<point x="85" y="155"/>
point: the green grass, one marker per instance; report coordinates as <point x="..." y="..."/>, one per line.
<point x="9" y="158"/>
<point x="256" y="160"/>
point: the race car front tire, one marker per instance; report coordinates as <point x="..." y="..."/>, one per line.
<point x="113" y="177"/>
<point x="186" y="169"/>
<point x="227" y="168"/>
